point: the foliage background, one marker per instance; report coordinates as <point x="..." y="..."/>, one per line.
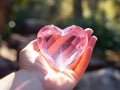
<point x="103" y="16"/>
<point x="20" y="20"/>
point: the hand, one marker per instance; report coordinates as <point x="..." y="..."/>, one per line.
<point x="52" y="79"/>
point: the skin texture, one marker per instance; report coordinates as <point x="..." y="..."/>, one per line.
<point x="36" y="74"/>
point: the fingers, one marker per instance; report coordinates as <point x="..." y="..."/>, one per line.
<point x="30" y="50"/>
<point x="82" y="64"/>
<point x="89" y="32"/>
<point x="33" y="44"/>
<point x="29" y="46"/>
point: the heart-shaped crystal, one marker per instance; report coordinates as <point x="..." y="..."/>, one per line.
<point x="61" y="47"/>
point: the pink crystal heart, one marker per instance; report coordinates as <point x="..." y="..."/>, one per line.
<point x="61" y="47"/>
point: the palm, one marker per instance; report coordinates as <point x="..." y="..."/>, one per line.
<point x="59" y="80"/>
<point x="51" y="78"/>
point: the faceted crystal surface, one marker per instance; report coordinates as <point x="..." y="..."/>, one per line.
<point x="61" y="47"/>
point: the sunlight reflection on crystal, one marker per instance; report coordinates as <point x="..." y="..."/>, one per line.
<point x="62" y="47"/>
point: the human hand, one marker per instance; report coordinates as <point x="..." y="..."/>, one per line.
<point x="52" y="79"/>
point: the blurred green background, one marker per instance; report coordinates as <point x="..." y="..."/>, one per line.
<point x="103" y="16"/>
<point x="20" y="20"/>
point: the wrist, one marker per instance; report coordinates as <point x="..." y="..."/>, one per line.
<point x="22" y="80"/>
<point x="27" y="79"/>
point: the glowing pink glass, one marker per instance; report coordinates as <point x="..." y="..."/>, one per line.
<point x="61" y="47"/>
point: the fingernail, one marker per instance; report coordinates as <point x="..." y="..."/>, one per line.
<point x="92" y="41"/>
<point x="89" y="31"/>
